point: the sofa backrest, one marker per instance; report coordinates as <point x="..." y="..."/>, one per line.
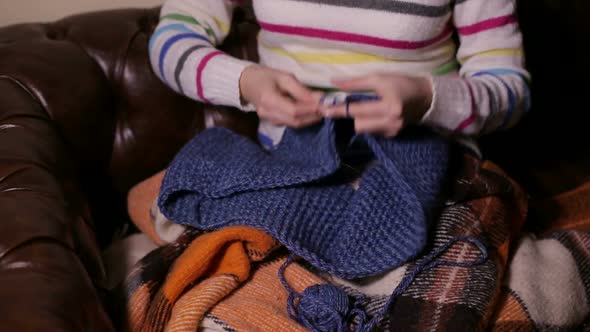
<point x="91" y="74"/>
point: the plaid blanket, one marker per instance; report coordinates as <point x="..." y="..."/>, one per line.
<point x="228" y="280"/>
<point x="547" y="287"/>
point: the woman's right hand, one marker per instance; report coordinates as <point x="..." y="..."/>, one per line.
<point x="279" y="97"/>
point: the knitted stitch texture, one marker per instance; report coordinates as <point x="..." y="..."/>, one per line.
<point x="297" y="194"/>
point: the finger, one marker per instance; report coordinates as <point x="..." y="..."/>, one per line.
<point x="284" y="119"/>
<point x="316" y="98"/>
<point x="276" y="102"/>
<point x="377" y="126"/>
<point x="305" y="121"/>
<point x="391" y="132"/>
<point x="305" y="109"/>
<point x="273" y="116"/>
<point x="282" y="103"/>
<point x="290" y="85"/>
<point x="362" y="109"/>
<point x="267" y="115"/>
<point x="368" y="82"/>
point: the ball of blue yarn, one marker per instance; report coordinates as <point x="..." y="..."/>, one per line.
<point x="324" y="308"/>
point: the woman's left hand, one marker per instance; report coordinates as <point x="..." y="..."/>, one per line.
<point x="403" y="99"/>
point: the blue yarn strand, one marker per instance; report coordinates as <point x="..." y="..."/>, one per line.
<point x="327" y="308"/>
<point x="291" y="308"/>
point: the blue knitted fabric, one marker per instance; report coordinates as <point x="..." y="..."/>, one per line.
<point x="295" y="194"/>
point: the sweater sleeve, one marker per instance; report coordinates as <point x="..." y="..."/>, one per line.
<point x="183" y="54"/>
<point x="491" y="92"/>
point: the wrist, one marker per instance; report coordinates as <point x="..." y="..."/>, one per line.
<point x="424" y="96"/>
<point x="244" y="83"/>
<point x="426" y="93"/>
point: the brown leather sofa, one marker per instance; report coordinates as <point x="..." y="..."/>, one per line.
<point x="83" y="118"/>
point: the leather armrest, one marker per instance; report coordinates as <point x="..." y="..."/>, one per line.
<point x="47" y="245"/>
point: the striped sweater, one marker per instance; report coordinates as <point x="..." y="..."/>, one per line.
<point x="480" y="84"/>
